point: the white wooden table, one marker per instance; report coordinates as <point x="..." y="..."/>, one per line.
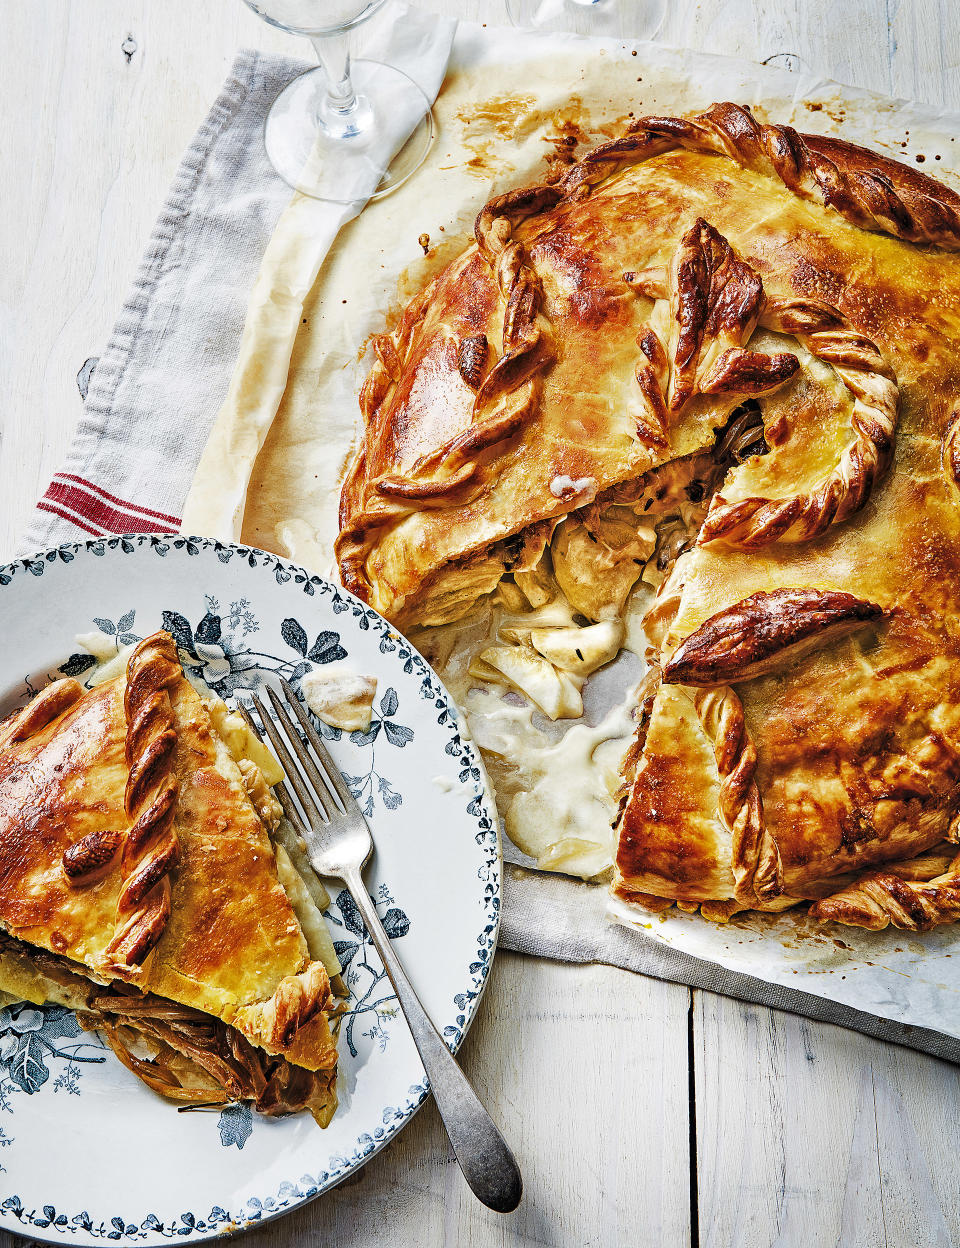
<point x="643" y="1113"/>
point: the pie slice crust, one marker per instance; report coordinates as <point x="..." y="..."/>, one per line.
<point x="139" y="884"/>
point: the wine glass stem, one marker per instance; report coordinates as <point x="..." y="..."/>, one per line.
<point x="333" y="53"/>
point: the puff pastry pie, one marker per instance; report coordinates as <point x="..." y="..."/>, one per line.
<point x="728" y="352"/>
<point x="138" y="885"/>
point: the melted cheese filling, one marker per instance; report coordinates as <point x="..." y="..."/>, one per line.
<point x="340" y="696"/>
<point x="548" y="666"/>
<point x="243" y="744"/>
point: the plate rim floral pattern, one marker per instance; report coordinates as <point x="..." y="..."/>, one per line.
<point x="53" y="1225"/>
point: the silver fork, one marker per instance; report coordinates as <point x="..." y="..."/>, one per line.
<point x="339" y="844"/>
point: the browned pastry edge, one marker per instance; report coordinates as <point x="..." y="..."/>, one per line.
<point x="765" y="632"/>
<point x="915" y="894"/>
<point x="869" y="190"/>
<point x="151" y="849"/>
<point x="751" y="523"/>
<point x="950" y="449"/>
<point x="41" y="710"/>
<point x="880" y="899"/>
<point x="714" y="295"/>
<point x="755" y="858"/>
<point x="649" y="901"/>
<point x="297" y="998"/>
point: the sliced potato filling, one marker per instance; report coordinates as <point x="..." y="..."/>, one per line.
<point x="561" y="620"/>
<point x="235" y="733"/>
<point x="537" y="623"/>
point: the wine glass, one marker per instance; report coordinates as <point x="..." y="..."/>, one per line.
<point x="331" y="132"/>
<point x="620" y="19"/>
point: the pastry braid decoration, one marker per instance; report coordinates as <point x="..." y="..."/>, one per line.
<point x="766" y="632"/>
<point x="509" y="394"/>
<point x="506" y="396"/>
<point x="757" y="869"/>
<point x="881" y="899"/>
<point x="716" y="302"/>
<point x="151" y="849"/>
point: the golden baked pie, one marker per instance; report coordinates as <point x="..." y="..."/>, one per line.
<point x="139" y="886"/>
<point x="714" y="369"/>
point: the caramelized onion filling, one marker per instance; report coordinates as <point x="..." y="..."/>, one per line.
<point x="182" y="1054"/>
<point x="196" y="1059"/>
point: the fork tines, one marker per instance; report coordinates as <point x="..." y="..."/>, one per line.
<point x="317" y="782"/>
<point x="283" y="794"/>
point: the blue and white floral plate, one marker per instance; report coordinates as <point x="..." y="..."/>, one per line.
<point x="87" y="1153"/>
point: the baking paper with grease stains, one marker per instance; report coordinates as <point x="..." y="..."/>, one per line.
<point x="491" y="137"/>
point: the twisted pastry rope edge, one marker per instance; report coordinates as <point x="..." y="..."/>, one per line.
<point x="751" y="523"/>
<point x="882" y="899"/>
<point x="151" y="848"/>
<point x="853" y="181"/>
<point x="869" y="190"/>
<point x="757" y="868"/>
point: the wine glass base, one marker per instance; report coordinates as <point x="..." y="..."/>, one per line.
<point x="345" y="157"/>
<point x="619" y="19"/>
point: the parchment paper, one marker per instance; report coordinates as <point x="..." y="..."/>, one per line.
<point x="510" y="104"/>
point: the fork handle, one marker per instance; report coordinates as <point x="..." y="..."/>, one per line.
<point x="483" y="1155"/>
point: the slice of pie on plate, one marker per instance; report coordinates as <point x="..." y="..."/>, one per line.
<point x="139" y="885"/>
<point x="709" y="379"/>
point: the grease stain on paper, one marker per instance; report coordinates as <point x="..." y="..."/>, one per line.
<point x="485" y="126"/>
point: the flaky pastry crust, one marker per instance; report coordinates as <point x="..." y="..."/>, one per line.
<point x="130" y="849"/>
<point x="808" y="725"/>
<point x="396" y="473"/>
<point x="151" y="849"/>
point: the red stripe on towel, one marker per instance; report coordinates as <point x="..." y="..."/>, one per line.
<point x="92" y="509"/>
<point x="43" y="505"/>
<point x="112" y="498"/>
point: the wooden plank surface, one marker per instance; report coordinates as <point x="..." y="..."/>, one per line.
<point x="542" y="1056"/>
<point x="809" y="1134"/>
<point x="803" y="1134"/>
